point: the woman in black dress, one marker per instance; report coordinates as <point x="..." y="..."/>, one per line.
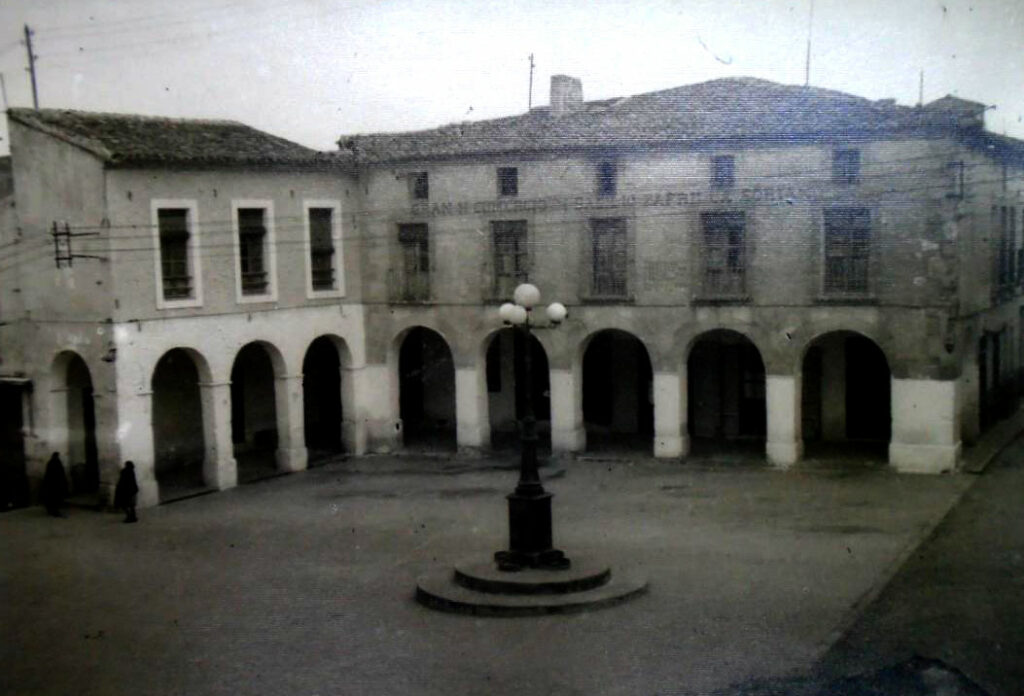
<point x="125" y="492"/>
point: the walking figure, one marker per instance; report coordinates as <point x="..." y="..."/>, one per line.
<point x="55" y="486"/>
<point x="125" y="492"/>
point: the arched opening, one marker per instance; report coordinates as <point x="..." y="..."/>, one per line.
<point x="996" y="388"/>
<point x="506" y="391"/>
<point x="846" y="400"/>
<point x="618" y="408"/>
<point x="83" y="460"/>
<point x="321" y="399"/>
<point x="253" y="413"/>
<point x="14" y="488"/>
<point x="426" y="384"/>
<point x="726" y="395"/>
<point x="178" y="443"/>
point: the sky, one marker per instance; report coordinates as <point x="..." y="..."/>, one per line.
<point x="313" y="70"/>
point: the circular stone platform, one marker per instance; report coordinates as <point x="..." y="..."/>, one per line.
<point x="478" y="587"/>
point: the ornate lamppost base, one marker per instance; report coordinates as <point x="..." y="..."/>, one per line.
<point x="529" y="531"/>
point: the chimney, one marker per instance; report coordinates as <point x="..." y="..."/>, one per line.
<point x="566" y="95"/>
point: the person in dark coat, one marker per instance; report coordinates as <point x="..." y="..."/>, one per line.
<point x="126" y="491"/>
<point x="55" y="486"/>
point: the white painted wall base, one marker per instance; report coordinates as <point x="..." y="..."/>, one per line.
<point x="783" y="455"/>
<point x="472" y="422"/>
<point x="292" y="459"/>
<point x="924" y="459"/>
<point x="567" y="432"/>
<point x="569" y="440"/>
<point x="149" y="491"/>
<point x="354" y="436"/>
<point x="670" y="447"/>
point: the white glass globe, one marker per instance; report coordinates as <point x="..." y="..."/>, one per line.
<point x="557" y="312"/>
<point x="518" y="315"/>
<point x="506" y="311"/>
<point x="526" y="295"/>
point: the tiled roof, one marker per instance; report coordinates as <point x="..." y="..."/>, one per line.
<point x="129" y="139"/>
<point x="730" y="108"/>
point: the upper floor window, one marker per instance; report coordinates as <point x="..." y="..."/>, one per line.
<point x="419" y="186"/>
<point x="511" y="256"/>
<point x="847" y="250"/>
<point x="255" y="255"/>
<point x="725" y="262"/>
<point x="252" y="242"/>
<point x="607" y="179"/>
<point x="508" y="181"/>
<point x="846" y="166"/>
<point x="723" y="171"/>
<point x="323" y="241"/>
<point x="176" y="240"/>
<point x="1006" y="258"/>
<point x="609" y="258"/>
<point x="175" y="272"/>
<point x="956" y="179"/>
<point x="413" y="281"/>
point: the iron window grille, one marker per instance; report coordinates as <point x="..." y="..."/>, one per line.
<point x="414" y="263"/>
<point x="419" y="183"/>
<point x="847" y="250"/>
<point x="176" y="277"/>
<point x="609" y="258"/>
<point x="252" y="235"/>
<point x="725" y="262"/>
<point x="321" y="248"/>
<point x="511" y="256"/>
<point x="607" y="179"/>
<point x="723" y="171"/>
<point x="508" y="181"/>
<point x="846" y="166"/>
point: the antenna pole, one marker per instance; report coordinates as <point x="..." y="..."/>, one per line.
<point x="3" y="90"/>
<point x="31" y="66"/>
<point x="529" y="101"/>
<point x="920" y="89"/>
<point x="810" y="27"/>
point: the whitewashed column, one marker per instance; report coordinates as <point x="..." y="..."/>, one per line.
<point x="472" y="419"/>
<point x="670" y="436"/>
<point x="567" y="431"/>
<point x="785" y="444"/>
<point x="377" y="397"/>
<point x="135" y="442"/>
<point x="291" y="436"/>
<point x="219" y="467"/>
<point x="353" y="412"/>
<point x="925" y="425"/>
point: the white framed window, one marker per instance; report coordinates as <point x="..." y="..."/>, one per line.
<point x="255" y="250"/>
<point x="325" y="269"/>
<point x="176" y="243"/>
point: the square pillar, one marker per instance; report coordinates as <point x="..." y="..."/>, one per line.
<point x="670" y="436"/>
<point x="135" y="443"/>
<point x="567" y="432"/>
<point x="220" y="470"/>
<point x="375" y="390"/>
<point x="925" y="425"/>
<point x="785" y="444"/>
<point x="353" y="418"/>
<point x="473" y="427"/>
<point x="291" y="435"/>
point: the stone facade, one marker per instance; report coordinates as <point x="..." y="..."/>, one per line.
<point x="775" y="292"/>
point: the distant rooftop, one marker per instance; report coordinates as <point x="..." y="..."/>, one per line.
<point x="133" y="140"/>
<point x="734" y="108"/>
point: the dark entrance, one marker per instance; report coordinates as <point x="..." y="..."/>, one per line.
<point x="14" y="491"/>
<point x="83" y="459"/>
<point x="321" y="399"/>
<point x="618" y="411"/>
<point x="253" y="413"/>
<point x="505" y="388"/>
<point x="726" y="394"/>
<point x="178" y="441"/>
<point x="426" y="377"/>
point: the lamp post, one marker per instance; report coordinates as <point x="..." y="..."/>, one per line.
<point x="529" y="505"/>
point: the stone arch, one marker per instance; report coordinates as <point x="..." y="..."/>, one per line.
<point x="179" y="422"/>
<point x="503" y="351"/>
<point x="422" y="360"/>
<point x="74" y="410"/>
<point x="255" y="431"/>
<point x="846" y="395"/>
<point x="617" y="383"/>
<point x="327" y="395"/>
<point x="725" y="391"/>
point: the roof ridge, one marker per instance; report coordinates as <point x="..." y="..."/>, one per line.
<point x="130" y="115"/>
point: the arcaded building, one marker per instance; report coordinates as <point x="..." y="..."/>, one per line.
<point x="749" y="267"/>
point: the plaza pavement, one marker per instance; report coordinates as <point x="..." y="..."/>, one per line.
<point x="304" y="584"/>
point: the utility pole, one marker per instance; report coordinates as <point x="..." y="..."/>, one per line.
<point x="31" y="66"/>
<point x="3" y="90"/>
<point x="810" y="29"/>
<point x="529" y="102"/>
<point x="920" y="89"/>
